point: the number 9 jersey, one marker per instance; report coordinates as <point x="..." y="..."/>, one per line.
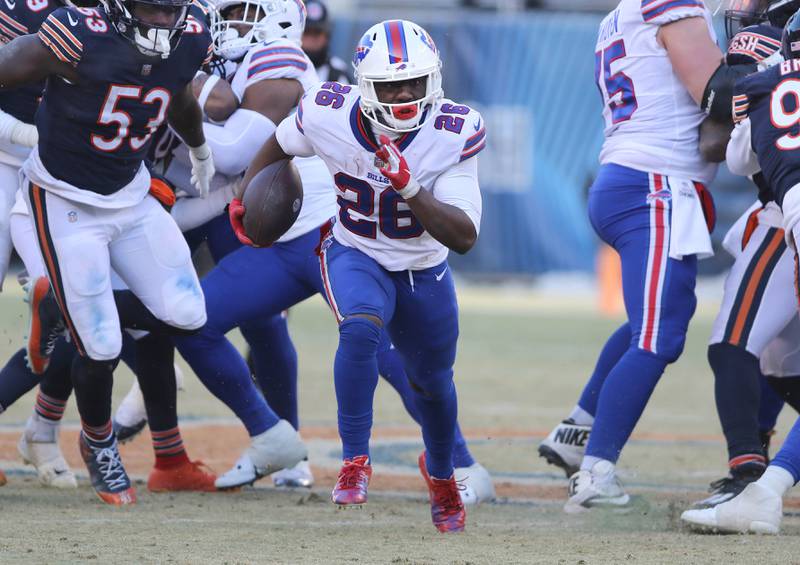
<point x="372" y="217"/>
<point x="651" y="121"/>
<point x="771" y="99"/>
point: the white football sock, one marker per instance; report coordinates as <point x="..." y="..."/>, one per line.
<point x="777" y="480"/>
<point x="589" y="462"/>
<point x="581" y="416"/>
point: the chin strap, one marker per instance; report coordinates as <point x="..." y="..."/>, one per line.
<point x="156" y="41"/>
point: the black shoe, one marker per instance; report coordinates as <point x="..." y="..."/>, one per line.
<point x="127" y="433"/>
<point x="108" y="476"/>
<point x="728" y="487"/>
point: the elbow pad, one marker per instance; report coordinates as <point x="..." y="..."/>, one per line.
<point x="718" y="96"/>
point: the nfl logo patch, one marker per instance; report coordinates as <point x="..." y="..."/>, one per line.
<point x="146" y="70"/>
<point x="379" y="164"/>
<point x="72" y="216"/>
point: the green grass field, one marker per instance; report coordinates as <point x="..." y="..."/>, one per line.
<point x="523" y="359"/>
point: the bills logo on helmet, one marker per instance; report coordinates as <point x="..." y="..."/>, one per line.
<point x="363" y="49"/>
<point x="428" y="40"/>
<point x="302" y="8"/>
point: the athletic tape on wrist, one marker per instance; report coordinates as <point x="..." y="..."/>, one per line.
<point x="205" y="92"/>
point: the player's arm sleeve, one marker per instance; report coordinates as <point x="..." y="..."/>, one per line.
<point x="236" y="142"/>
<point x="291" y="135"/>
<point x="459" y="187"/>
<point x="661" y="12"/>
<point x="740" y="157"/>
<point x="62" y="37"/>
<point x="190" y="213"/>
<point x="276" y="61"/>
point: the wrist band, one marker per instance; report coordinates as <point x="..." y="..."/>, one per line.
<point x="205" y="92"/>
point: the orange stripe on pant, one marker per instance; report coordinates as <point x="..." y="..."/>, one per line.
<point x="752" y="286"/>
<point x="36" y="195"/>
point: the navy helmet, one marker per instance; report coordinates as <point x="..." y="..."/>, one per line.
<point x="153" y="26"/>
<point x="790" y="44"/>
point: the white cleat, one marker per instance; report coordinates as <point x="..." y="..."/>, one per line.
<point x="299" y="476"/>
<point x="475" y="483"/>
<point x="598" y="488"/>
<point x="565" y="446"/>
<point x="757" y="510"/>
<point x="280" y="447"/>
<point x="45" y="456"/>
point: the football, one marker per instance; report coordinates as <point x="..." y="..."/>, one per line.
<point x="272" y="202"/>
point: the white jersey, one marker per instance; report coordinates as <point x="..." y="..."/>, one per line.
<point x="651" y="122"/>
<point x="280" y="59"/>
<point x="284" y="59"/>
<point x="373" y="218"/>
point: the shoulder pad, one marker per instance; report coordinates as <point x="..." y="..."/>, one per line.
<point x="319" y="100"/>
<point x="753" y="44"/>
<point x="65" y="29"/>
<point x="463" y="125"/>
<point x="661" y="12"/>
<point x="276" y="59"/>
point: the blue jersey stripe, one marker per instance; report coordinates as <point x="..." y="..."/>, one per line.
<point x="280" y="63"/>
<point x="654" y="12"/>
<point x="276" y="51"/>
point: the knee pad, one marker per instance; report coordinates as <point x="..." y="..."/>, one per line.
<point x="359" y="336"/>
<point x="435" y="385"/>
<point x="186" y="306"/>
<point x="668" y="344"/>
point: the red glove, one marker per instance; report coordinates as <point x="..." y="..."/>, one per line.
<point x="236" y="215"/>
<point x="395" y="168"/>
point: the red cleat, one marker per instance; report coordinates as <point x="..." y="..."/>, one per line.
<point x="447" y="509"/>
<point x="3" y="479"/>
<point x="188" y="476"/>
<point x="351" y="486"/>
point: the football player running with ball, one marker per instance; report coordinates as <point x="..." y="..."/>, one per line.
<point x="403" y="160"/>
<point x="114" y="75"/>
<point x="766" y="108"/>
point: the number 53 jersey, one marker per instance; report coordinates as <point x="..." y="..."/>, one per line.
<point x="372" y="217"/>
<point x="651" y="122"/>
<point x="94" y="132"/>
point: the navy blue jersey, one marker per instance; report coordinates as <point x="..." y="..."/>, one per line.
<point x="771" y="99"/>
<point x="94" y="134"/>
<point x="21" y="17"/>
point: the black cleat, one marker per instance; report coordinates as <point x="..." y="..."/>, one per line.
<point x="127" y="433"/>
<point x="728" y="487"/>
<point x="108" y="476"/>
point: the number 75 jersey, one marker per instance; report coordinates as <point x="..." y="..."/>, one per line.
<point x="372" y="217"/>
<point x="651" y="121"/>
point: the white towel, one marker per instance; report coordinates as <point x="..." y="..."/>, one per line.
<point x="689" y="232"/>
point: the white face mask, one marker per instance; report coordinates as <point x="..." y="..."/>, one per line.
<point x="156" y="43"/>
